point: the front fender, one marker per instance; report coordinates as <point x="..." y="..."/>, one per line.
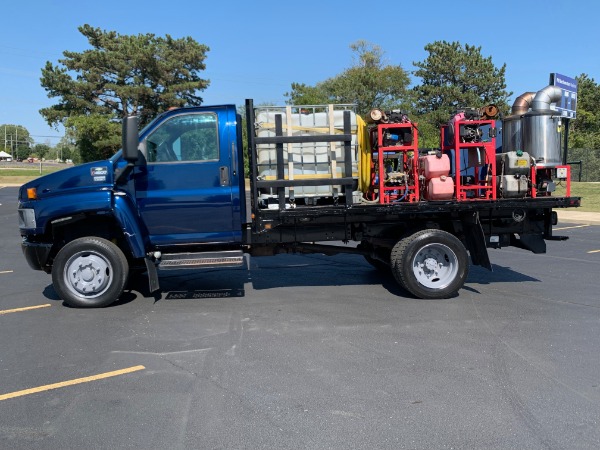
<point x="125" y="213"/>
<point x="51" y="208"/>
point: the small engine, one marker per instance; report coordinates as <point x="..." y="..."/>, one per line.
<point x="466" y="132"/>
<point x="398" y="137"/>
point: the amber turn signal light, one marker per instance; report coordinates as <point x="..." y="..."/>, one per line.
<point x="32" y="193"/>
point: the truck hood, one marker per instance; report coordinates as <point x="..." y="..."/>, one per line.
<point x="98" y="174"/>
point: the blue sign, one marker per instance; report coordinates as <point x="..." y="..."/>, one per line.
<point x="570" y="84"/>
<point x="568" y="103"/>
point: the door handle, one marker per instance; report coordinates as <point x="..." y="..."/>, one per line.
<point x="224" y="175"/>
<point x="234" y="159"/>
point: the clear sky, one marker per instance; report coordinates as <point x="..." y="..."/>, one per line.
<point x="258" y="48"/>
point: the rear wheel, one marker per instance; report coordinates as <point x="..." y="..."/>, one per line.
<point x="430" y="264"/>
<point x="89" y="272"/>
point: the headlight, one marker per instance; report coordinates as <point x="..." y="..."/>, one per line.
<point x="27" y="218"/>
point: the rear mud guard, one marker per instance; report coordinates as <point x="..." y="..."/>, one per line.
<point x="532" y="242"/>
<point x="475" y="241"/>
<point x="153" y="284"/>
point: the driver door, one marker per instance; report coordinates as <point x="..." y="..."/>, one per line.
<point x="185" y="191"/>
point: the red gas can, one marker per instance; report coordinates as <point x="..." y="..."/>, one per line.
<point x="432" y="166"/>
<point x="440" y="188"/>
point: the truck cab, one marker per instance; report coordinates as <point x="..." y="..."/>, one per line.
<point x="180" y="185"/>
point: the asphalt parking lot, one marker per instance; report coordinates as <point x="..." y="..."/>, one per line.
<point x="307" y="352"/>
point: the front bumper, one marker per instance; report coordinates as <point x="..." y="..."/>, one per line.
<point x="36" y="254"/>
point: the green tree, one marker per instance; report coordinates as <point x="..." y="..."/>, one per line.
<point x="454" y="76"/>
<point x="67" y="149"/>
<point x="96" y="137"/>
<point x="121" y="75"/>
<point x="584" y="131"/>
<point x="41" y="150"/>
<point x="369" y="83"/>
<point x="302" y="94"/>
<point x="15" y="140"/>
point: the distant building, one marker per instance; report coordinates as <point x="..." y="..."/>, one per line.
<point x="5" y="156"/>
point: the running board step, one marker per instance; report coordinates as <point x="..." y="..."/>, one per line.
<point x="174" y="261"/>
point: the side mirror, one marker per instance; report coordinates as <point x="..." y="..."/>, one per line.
<point x="130" y="138"/>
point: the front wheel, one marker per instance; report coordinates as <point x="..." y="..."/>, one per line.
<point x="430" y="264"/>
<point x="89" y="272"/>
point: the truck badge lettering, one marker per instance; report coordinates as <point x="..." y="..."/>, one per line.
<point x="99" y="171"/>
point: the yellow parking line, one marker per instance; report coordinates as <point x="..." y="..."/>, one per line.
<point x="6" y="271"/>
<point x="70" y="382"/>
<point x="594" y="251"/>
<point x="568" y="228"/>
<point x="27" y="308"/>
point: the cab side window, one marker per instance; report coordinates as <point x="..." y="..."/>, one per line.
<point x="185" y="138"/>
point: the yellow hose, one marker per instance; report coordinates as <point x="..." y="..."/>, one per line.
<point x="364" y="155"/>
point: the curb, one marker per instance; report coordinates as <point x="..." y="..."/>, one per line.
<point x="580" y="217"/>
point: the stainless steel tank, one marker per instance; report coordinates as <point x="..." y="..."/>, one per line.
<point x="512" y="134"/>
<point x="541" y="137"/>
<point x="512" y="126"/>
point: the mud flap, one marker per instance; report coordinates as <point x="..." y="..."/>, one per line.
<point x="152" y="275"/>
<point x="476" y="243"/>
<point x="532" y="242"/>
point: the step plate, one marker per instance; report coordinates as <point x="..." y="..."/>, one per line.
<point x="201" y="260"/>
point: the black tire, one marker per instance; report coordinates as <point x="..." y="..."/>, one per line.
<point x="90" y="272"/>
<point x="430" y="264"/>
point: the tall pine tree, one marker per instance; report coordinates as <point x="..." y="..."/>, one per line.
<point x="455" y="76"/>
<point x="120" y="75"/>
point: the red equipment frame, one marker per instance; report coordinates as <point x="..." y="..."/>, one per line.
<point x="388" y="194"/>
<point x="480" y="189"/>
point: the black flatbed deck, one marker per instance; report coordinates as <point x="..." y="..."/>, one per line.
<point x="361" y="212"/>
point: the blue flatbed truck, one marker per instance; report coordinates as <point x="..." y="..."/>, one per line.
<point x="175" y="197"/>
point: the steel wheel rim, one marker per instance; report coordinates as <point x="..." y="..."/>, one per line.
<point x="435" y="266"/>
<point x="88" y="274"/>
